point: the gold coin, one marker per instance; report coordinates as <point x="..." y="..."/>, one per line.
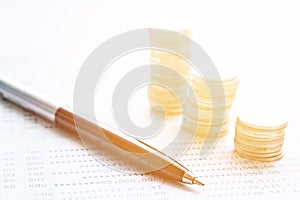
<point x="264" y="159"/>
<point x="266" y="148"/>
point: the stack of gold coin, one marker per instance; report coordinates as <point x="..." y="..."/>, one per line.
<point x="209" y="111"/>
<point x="168" y="96"/>
<point x="260" y="137"/>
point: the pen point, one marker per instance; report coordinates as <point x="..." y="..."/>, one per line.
<point x="190" y="178"/>
<point x="197" y="182"/>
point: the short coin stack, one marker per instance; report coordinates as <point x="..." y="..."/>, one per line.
<point x="210" y="110"/>
<point x="161" y="94"/>
<point x="261" y="137"/>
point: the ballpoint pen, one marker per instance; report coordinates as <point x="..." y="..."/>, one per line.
<point x="149" y="158"/>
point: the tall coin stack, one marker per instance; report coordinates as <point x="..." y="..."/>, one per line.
<point x="260" y="137"/>
<point x="161" y="95"/>
<point x="209" y="112"/>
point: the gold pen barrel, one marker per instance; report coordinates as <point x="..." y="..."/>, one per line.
<point x="144" y="156"/>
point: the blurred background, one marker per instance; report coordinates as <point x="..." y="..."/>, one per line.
<point x="44" y="43"/>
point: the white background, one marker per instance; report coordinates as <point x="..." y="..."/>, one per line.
<point x="258" y="40"/>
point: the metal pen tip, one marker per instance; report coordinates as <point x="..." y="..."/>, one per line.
<point x="197" y="182"/>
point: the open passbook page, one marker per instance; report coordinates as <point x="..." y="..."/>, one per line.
<point x="39" y="161"/>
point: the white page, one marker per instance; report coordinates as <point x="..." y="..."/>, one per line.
<point x="38" y="162"/>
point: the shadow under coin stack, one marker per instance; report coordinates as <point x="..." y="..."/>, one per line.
<point x="210" y="109"/>
<point x="160" y="94"/>
<point x="260" y="140"/>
